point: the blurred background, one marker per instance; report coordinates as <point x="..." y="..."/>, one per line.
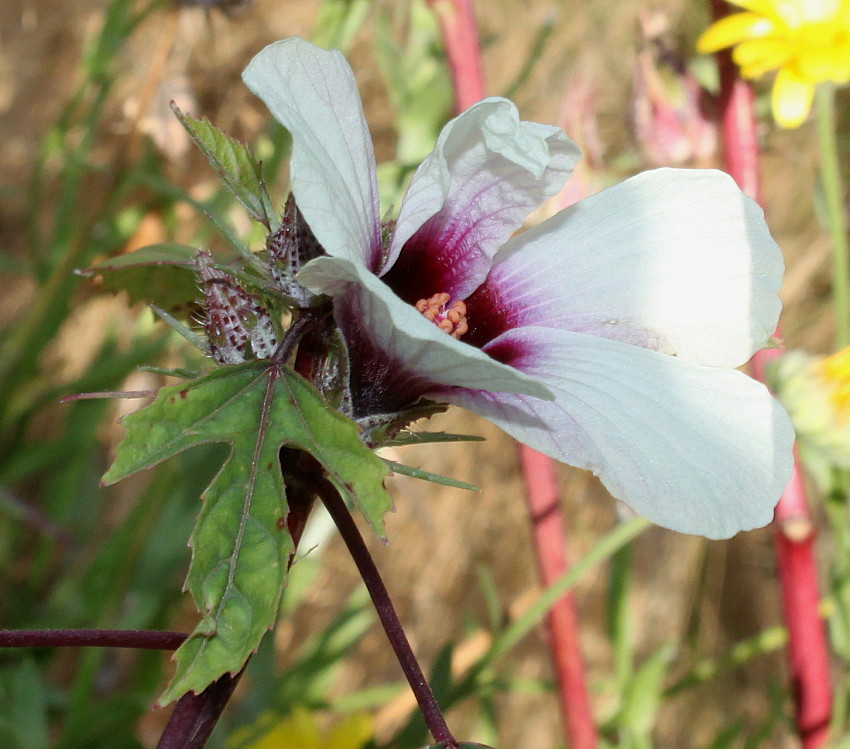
<point x="93" y="164"/>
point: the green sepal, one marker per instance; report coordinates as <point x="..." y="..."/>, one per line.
<point x="199" y="342"/>
<point x="434" y="478"/>
<point x="240" y="544"/>
<point x="179" y="372"/>
<point x="404" y="438"/>
<point x="239" y="170"/>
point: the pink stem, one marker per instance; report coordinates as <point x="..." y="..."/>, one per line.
<point x="549" y="533"/>
<point x="794" y="535"/>
<point x="460" y="36"/>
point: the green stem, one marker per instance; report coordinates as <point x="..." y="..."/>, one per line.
<point x="833" y="196"/>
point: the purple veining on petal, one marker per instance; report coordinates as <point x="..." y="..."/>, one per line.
<point x="509" y="300"/>
<point x="436" y="259"/>
<point x="452" y="251"/>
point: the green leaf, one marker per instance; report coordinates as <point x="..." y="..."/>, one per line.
<point x="235" y="164"/>
<point x="434" y="478"/>
<point x="240" y="545"/>
<point x="159" y="273"/>
<point x="643" y="694"/>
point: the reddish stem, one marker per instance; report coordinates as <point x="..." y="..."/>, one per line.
<point x="460" y="36"/>
<point x="794" y="535"/>
<point x="90" y="638"/>
<point x="386" y="612"/>
<point x="195" y="715"/>
<point x="549" y="533"/>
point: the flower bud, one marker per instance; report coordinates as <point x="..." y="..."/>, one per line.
<point x="667" y="103"/>
<point x="233" y="317"/>
<point x="290" y="248"/>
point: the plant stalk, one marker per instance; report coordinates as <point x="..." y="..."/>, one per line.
<point x="794" y="535"/>
<point x="549" y="534"/>
<point x="460" y="37"/>
<point x="90" y="638"/>
<point x="386" y="612"/>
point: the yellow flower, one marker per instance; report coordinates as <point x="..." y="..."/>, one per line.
<point x="807" y="41"/>
<point x="835" y="371"/>
<point x="299" y="730"/>
<point x="816" y="392"/>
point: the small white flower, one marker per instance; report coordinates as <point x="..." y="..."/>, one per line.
<point x="604" y="337"/>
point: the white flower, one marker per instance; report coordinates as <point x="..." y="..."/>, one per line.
<point x="604" y="337"/>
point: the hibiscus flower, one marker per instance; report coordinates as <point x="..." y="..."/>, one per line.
<point x="605" y="337"/>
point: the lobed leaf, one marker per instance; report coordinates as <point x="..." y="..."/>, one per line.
<point x="159" y="273"/>
<point x="233" y="162"/>
<point x="240" y="544"/>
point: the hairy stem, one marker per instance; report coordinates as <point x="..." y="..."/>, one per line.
<point x="386" y="612"/>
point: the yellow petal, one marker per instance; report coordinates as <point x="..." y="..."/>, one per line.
<point x="352" y="732"/>
<point x="757" y="56"/>
<point x="296" y="731"/>
<point x="733" y="30"/>
<point x="791" y="98"/>
<point x="826" y="64"/>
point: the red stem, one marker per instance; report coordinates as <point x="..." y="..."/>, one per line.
<point x="794" y="535"/>
<point x="549" y="534"/>
<point x="90" y="638"/>
<point x="386" y="612"/>
<point x="460" y="37"/>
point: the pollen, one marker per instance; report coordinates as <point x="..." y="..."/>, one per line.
<point x="835" y="371"/>
<point x="449" y="317"/>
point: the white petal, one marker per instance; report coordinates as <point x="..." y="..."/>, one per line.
<point x="312" y="93"/>
<point x="406" y="337"/>
<point x="678" y="260"/>
<point x="696" y="449"/>
<point x="487" y="172"/>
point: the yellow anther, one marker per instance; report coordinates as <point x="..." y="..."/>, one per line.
<point x="450" y="318"/>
